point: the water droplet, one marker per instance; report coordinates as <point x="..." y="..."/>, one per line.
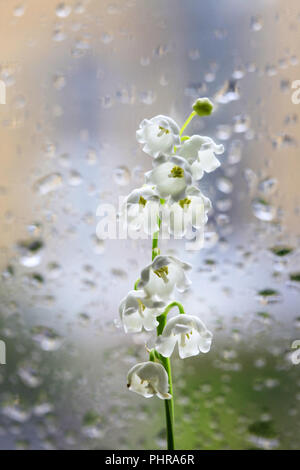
<point x="294" y="280"/>
<point x="59" y="34"/>
<point x="281" y="250"/>
<point x="235" y="152"/>
<point x="106" y="38"/>
<point x="106" y="101"/>
<point x="241" y="123"/>
<point x="147" y="97"/>
<point x="19" y="10"/>
<point x="268" y="186"/>
<point x="64" y="160"/>
<point x="8" y="273"/>
<point x="229" y="92"/>
<point x="48" y="183"/>
<point x="224" y="185"/>
<point x="269" y="296"/>
<point x="284" y="140"/>
<point x="113" y="9"/>
<point x="265" y="317"/>
<point x="29" y="375"/>
<point x="63" y="10"/>
<point x="122" y="176"/>
<point x="145" y="61"/>
<point x="79" y="8"/>
<point x="224" y="132"/>
<point x="91" y="425"/>
<point x="295" y="277"/>
<point x="224" y="205"/>
<point x="238" y="73"/>
<point x="256" y="23"/>
<point x="75" y="178"/>
<point x="42" y="407"/>
<point x="47" y="338"/>
<point x="262" y="210"/>
<point x="15" y="411"/>
<point x="30" y="252"/>
<point x="59" y="82"/>
<point x="54" y="270"/>
<point x="99" y="245"/>
<point x="194" y="54"/>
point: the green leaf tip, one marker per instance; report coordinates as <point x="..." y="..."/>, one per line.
<point x="203" y="107"/>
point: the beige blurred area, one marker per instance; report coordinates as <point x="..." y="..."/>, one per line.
<point x="80" y="75"/>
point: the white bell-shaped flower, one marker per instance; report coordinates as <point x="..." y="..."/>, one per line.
<point x="164" y="274"/>
<point x="158" y="135"/>
<point x="148" y="379"/>
<point x="138" y="311"/>
<point x="140" y="210"/>
<point x="171" y="176"/>
<point x="189" y="332"/>
<point x="200" y="152"/>
<point x="188" y="213"/>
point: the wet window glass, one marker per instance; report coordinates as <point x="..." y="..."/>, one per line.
<point x="77" y="78"/>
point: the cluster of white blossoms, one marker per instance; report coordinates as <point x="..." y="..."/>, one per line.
<point x="179" y="162"/>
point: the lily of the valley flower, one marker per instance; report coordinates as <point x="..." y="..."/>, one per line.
<point x="189" y="332"/>
<point x="200" y="152"/>
<point x="148" y="379"/>
<point x="138" y="311"/>
<point x="158" y="135"/>
<point x="165" y="273"/>
<point x="171" y="176"/>
<point x="141" y="209"/>
<point x="188" y="213"/>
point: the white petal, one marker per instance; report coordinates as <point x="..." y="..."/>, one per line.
<point x="132" y="323"/>
<point x="189" y="346"/>
<point x="189" y="150"/>
<point x="165" y="345"/>
<point x="163" y="287"/>
<point x="133" y="317"/>
<point x="201" y="149"/>
<point x="166" y="185"/>
<point x="150" y="217"/>
<point x="197" y="213"/>
<point x="190" y="332"/>
<point x="140" y="387"/>
<point x="149" y="319"/>
<point x="207" y="160"/>
<point x="149" y="378"/>
<point x="182" y="281"/>
<point x="204" y="342"/>
<point x="157" y="286"/>
<point x="197" y="170"/>
<point x="159" y="135"/>
<point x="177" y="225"/>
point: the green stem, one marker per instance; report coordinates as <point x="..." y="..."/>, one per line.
<point x="152" y="355"/>
<point x="155" y="241"/>
<point x="169" y="405"/>
<point x="193" y="114"/>
<point x="162" y="319"/>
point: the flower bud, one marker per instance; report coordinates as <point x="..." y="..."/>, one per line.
<point x="203" y="107"/>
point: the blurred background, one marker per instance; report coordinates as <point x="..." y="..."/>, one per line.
<point x="80" y="76"/>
